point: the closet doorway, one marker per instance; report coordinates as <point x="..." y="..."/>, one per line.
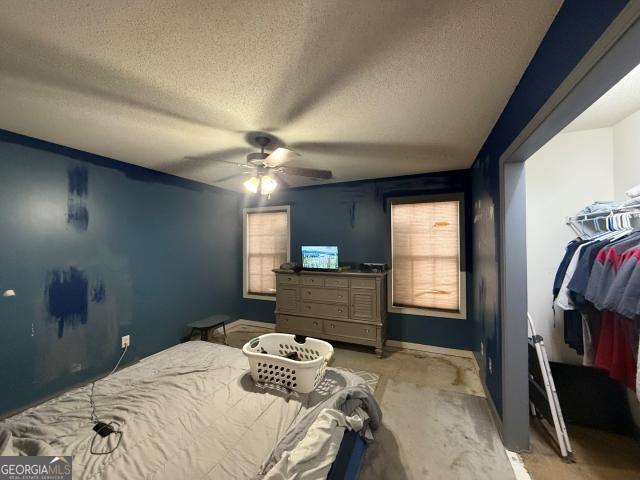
<point x="601" y="450"/>
<point x="583" y="246"/>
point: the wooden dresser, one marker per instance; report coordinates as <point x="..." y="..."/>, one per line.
<point x="346" y="306"/>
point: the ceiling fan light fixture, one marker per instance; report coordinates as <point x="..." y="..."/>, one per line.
<point x="264" y="184"/>
<point x="268" y="185"/>
<point x="252" y="184"/>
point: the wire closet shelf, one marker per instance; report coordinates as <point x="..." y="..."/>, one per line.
<point x="619" y="218"/>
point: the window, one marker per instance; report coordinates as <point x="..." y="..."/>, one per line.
<point x="426" y="256"/>
<point x="266" y="246"/>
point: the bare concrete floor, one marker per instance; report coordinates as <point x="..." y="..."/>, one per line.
<point x="436" y="423"/>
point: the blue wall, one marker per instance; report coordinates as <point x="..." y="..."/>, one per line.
<point x="353" y="215"/>
<point x="578" y="24"/>
<point x="96" y="249"/>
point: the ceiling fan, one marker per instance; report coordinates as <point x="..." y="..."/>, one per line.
<point x="269" y="169"/>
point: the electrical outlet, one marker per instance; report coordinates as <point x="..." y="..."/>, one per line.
<point x="482" y="349"/>
<point x="126" y="341"/>
<point x="490" y="367"/>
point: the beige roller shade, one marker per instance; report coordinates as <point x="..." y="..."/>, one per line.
<point x="426" y="255"/>
<point x="267" y="245"/>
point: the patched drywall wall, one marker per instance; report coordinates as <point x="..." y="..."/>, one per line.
<point x="95" y="249"/>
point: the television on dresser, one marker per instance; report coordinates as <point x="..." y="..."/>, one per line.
<point x="320" y="258"/>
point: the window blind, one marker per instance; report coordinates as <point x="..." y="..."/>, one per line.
<point x="426" y="255"/>
<point x="267" y="248"/>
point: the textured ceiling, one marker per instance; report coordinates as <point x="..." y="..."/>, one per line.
<point x="365" y="88"/>
<point x="615" y="105"/>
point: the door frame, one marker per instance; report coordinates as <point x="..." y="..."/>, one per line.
<point x="613" y="55"/>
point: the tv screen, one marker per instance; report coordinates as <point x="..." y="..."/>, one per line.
<point x="320" y="258"/>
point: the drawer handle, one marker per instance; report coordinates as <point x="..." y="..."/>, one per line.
<point x="315" y="323"/>
<point x="308" y="307"/>
<point x="308" y="292"/>
<point x="366" y="330"/>
<point x="339" y="296"/>
<point x="339" y="310"/>
<point x="333" y="325"/>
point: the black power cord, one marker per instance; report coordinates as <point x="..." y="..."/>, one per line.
<point x="104" y="429"/>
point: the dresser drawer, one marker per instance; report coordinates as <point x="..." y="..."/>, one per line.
<point x="325" y="309"/>
<point x="313" y="280"/>
<point x="336" y="282"/>
<point x="324" y="294"/>
<point x="294" y="324"/>
<point x="285" y="279"/>
<point x="369" y="283"/>
<point x="353" y="330"/>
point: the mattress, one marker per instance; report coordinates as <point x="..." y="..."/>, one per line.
<point x="191" y="411"/>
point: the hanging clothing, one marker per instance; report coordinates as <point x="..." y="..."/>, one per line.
<point x="564" y="264"/>
<point x="573" y="334"/>
<point x="625" y="298"/>
<point x="563" y="297"/>
<point x="597" y="285"/>
<point x="580" y="280"/>
<point x="588" y="346"/>
<point x="605" y="269"/>
<point x="638" y="374"/>
<point x="614" y="352"/>
<point x="622" y="294"/>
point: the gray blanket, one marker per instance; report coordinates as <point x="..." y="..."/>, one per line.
<point x="191" y="411"/>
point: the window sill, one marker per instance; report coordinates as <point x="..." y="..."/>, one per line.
<point x="424" y="312"/>
<point x="253" y="296"/>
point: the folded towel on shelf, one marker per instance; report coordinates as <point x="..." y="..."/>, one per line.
<point x="598" y="206"/>
<point x="633" y="192"/>
<point x="632" y="202"/>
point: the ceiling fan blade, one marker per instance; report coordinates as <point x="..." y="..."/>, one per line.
<point x="307" y="172"/>
<point x="280" y="156"/>
<point x="224" y="179"/>
<point x="358" y="39"/>
<point x="213" y="158"/>
<point x="21" y="57"/>
<point x="281" y="180"/>
<point x="197" y="162"/>
<point x="378" y="150"/>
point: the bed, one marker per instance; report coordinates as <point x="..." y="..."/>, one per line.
<point x="193" y="411"/>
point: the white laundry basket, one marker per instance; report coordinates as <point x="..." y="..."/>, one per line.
<point x="301" y="376"/>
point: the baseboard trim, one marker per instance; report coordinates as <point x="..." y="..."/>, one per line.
<point x="419" y="347"/>
<point x="389" y="344"/>
<point x="241" y="322"/>
<point x="518" y="466"/>
<point x="476" y="365"/>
